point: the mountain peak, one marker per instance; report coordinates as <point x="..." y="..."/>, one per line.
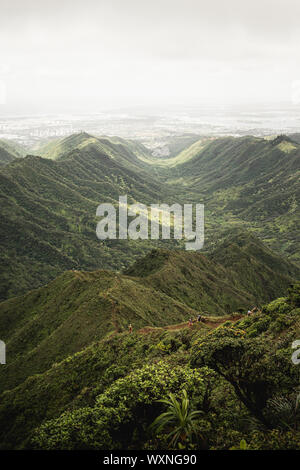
<point x="282" y="138"/>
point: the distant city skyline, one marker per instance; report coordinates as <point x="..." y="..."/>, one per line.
<point x="92" y="55"/>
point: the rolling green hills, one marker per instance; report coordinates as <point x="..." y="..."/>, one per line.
<point x="48" y="204"/>
<point x="65" y="406"/>
<point x="238" y="272"/>
<point x="76" y="309"/>
<point x="246" y="181"/>
<point x="75" y="378"/>
<point x="48" y="212"/>
<point x="165" y="287"/>
<point x="131" y="154"/>
<point x="10" y="150"/>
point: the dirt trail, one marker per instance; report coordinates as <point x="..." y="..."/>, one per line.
<point x="209" y="321"/>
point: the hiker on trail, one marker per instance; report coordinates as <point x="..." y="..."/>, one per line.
<point x="130" y="328"/>
<point x="249" y="312"/>
<point x="190" y="322"/>
<point x="199" y="318"/>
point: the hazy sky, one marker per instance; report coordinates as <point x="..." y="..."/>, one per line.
<point x="85" y="55"/>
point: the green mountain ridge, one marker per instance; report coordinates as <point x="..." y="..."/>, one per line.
<point x="75" y="378"/>
<point x="9" y="150"/>
<point x="48" y="206"/>
<point x="58" y="408"/>
<point x="48" y="213"/>
<point x="250" y="181"/>
<point x="163" y="288"/>
<point x="128" y="153"/>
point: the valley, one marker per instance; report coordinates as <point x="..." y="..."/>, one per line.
<point x="75" y="378"/>
<point x="48" y="204"/>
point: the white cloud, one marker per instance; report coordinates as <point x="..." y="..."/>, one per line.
<point x="95" y="53"/>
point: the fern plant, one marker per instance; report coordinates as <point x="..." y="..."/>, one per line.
<point x="285" y="412"/>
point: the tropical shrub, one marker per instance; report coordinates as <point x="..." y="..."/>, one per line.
<point x="122" y="414"/>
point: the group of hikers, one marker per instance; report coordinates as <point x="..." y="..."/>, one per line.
<point x="200" y="318"/>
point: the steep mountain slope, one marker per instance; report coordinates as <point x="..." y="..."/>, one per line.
<point x="131" y="154"/>
<point x="71" y="383"/>
<point x="10" y="150"/>
<point x="238" y="272"/>
<point x="227" y="161"/>
<point x="119" y="367"/>
<point x="48" y="213"/>
<point x="247" y="180"/>
<point x="57" y="147"/>
<point x="67" y="344"/>
<point x="48" y="206"/>
<point x="254" y="267"/>
<point x="46" y="325"/>
<point x="5" y="156"/>
<point x="193" y="279"/>
<point x="163" y="288"/>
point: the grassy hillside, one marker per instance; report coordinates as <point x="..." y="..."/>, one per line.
<point x="250" y="181"/>
<point x="48" y="324"/>
<point x="57" y="147"/>
<point x="164" y="288"/>
<point x="238" y="374"/>
<point x="10" y="150"/>
<point x="239" y="272"/>
<point x="48" y="215"/>
<point x="75" y="378"/>
<point x="131" y="154"/>
<point x="48" y="204"/>
<point x="256" y="268"/>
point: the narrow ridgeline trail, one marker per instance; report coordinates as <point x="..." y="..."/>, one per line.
<point x="209" y="321"/>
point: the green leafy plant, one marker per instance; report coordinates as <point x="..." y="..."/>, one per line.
<point x="284" y="412"/>
<point x="179" y="418"/>
<point x="243" y="446"/>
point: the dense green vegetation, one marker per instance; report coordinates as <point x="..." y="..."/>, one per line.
<point x="166" y="287"/>
<point x="48" y="214"/>
<point x="247" y="180"/>
<point x="10" y="150"/>
<point x="75" y="378"/>
<point x="239" y="375"/>
<point x="48" y="204"/>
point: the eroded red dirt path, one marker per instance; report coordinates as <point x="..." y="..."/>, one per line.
<point x="211" y="322"/>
